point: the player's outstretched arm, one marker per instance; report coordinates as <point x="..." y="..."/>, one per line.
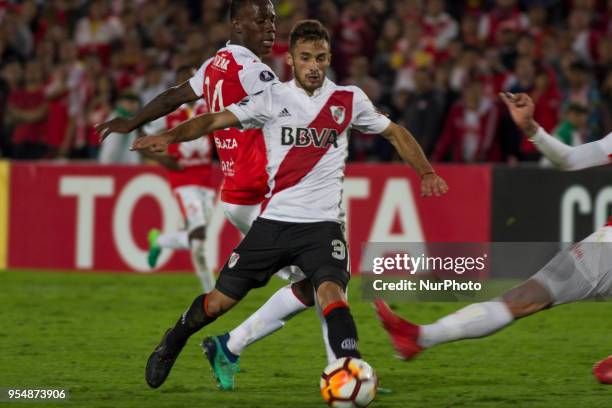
<point x="409" y="150"/>
<point x="188" y="130"/>
<point x="161" y="105"/>
<point x="571" y="158"/>
<point x="565" y="157"/>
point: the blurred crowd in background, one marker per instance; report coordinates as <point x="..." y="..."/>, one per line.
<point x="434" y="66"/>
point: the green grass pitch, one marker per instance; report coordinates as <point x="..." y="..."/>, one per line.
<point x="92" y="333"/>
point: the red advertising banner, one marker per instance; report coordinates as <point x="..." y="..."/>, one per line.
<point x="92" y="217"/>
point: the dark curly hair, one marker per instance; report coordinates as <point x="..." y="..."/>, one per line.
<point x="308" y="30"/>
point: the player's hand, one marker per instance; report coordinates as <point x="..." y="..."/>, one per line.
<point x="115" y="125"/>
<point x="156" y="144"/>
<point x="521" y="109"/>
<point x="433" y="185"/>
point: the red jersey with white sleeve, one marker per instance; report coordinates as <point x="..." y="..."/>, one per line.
<point x="195" y="156"/>
<point x="232" y="74"/>
<point x="307" y="145"/>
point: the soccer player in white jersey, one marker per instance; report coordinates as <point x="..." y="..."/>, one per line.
<point x="305" y="126"/>
<point x="581" y="272"/>
<point x="234" y="72"/>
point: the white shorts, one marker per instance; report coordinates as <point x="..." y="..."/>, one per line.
<point x="582" y="271"/>
<point x="196" y="205"/>
<point x="242" y="217"/>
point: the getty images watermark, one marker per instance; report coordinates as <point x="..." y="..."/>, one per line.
<point x="406" y="264"/>
<point x="449" y="271"/>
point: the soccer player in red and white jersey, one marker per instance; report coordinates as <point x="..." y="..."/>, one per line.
<point x="584" y="271"/>
<point x="234" y="72"/>
<point x="189" y="173"/>
<point x="305" y="126"/>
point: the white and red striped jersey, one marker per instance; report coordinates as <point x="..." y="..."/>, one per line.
<point x="195" y="157"/>
<point x="233" y="73"/>
<point x="306" y="140"/>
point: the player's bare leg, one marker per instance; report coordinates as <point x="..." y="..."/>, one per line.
<point x="197" y="239"/>
<point x="203" y="310"/>
<point x="473" y="321"/>
<point x="527" y="298"/>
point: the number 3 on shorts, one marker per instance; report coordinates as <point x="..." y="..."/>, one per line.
<point x="338" y="249"/>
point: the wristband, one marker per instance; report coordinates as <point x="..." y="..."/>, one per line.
<point x="429" y="172"/>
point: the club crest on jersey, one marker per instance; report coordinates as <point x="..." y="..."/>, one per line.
<point x="338" y="113"/>
<point x="233" y="260"/>
<point x="304" y="137"/>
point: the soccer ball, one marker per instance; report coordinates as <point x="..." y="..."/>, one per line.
<point x="348" y="383"/>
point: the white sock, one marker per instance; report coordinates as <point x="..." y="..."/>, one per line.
<point x="270" y="317"/>
<point x="199" y="263"/>
<point x="331" y="357"/>
<point x="475" y="320"/>
<point x="174" y="240"/>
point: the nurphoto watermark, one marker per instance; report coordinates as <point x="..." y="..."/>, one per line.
<point x="476" y="271"/>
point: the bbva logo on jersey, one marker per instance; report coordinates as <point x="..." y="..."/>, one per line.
<point x="303" y="137"/>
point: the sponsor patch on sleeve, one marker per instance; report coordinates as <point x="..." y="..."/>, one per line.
<point x="266" y="76"/>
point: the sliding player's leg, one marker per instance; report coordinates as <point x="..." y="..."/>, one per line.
<point x="473" y="321"/>
<point x="579" y="272"/>
<point x="603" y="369"/>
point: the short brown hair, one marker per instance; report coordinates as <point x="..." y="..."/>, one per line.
<point x="308" y="30"/>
